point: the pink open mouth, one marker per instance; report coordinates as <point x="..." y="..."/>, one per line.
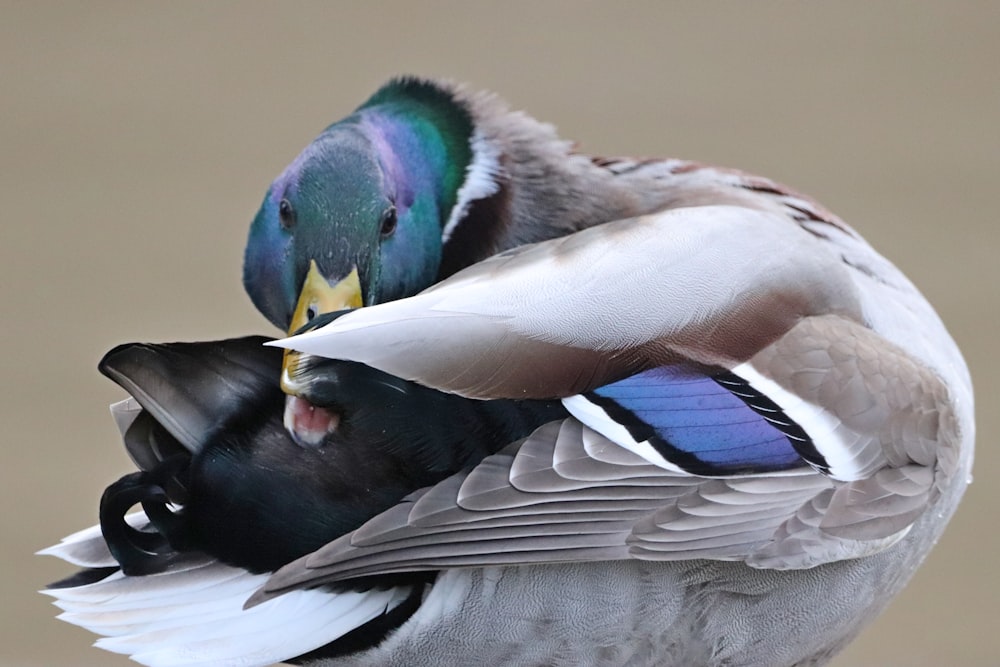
<point x="308" y="424"/>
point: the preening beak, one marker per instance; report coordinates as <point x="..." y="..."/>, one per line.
<point x="317" y="297"/>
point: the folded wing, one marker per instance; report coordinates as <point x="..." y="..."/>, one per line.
<point x="731" y="400"/>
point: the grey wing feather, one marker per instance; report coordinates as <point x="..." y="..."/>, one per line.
<point x="490" y="517"/>
<point x="487" y="330"/>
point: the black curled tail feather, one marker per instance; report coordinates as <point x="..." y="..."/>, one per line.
<point x="152" y="548"/>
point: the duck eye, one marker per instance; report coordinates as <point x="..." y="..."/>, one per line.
<point x="286" y="214"/>
<point x="310" y="313"/>
<point x="388" y="224"/>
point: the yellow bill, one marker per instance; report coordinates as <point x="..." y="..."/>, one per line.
<point x="317" y="297"/>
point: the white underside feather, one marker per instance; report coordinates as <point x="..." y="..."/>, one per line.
<point x="193" y="614"/>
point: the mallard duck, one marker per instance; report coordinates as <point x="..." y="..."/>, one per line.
<point x="769" y="426"/>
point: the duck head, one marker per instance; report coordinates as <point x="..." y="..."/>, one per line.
<point x="363" y="207"/>
<point x="358" y="218"/>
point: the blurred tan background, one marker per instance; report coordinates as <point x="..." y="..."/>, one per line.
<point x="136" y="142"/>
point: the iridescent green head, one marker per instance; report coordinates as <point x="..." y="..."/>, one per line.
<point x="367" y="201"/>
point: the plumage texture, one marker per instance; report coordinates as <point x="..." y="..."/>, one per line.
<point x="791" y="325"/>
<point x="192" y="614"/>
<point x="766" y="426"/>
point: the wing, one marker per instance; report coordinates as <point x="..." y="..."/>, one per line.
<point x="711" y="285"/>
<point x="731" y="400"/>
<point x="567" y="494"/>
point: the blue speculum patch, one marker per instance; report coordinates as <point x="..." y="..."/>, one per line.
<point x="707" y="425"/>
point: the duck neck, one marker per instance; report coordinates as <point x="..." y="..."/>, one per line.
<point x="426" y="144"/>
<point x="543" y="189"/>
<point x="526" y="185"/>
<point x="490" y="179"/>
